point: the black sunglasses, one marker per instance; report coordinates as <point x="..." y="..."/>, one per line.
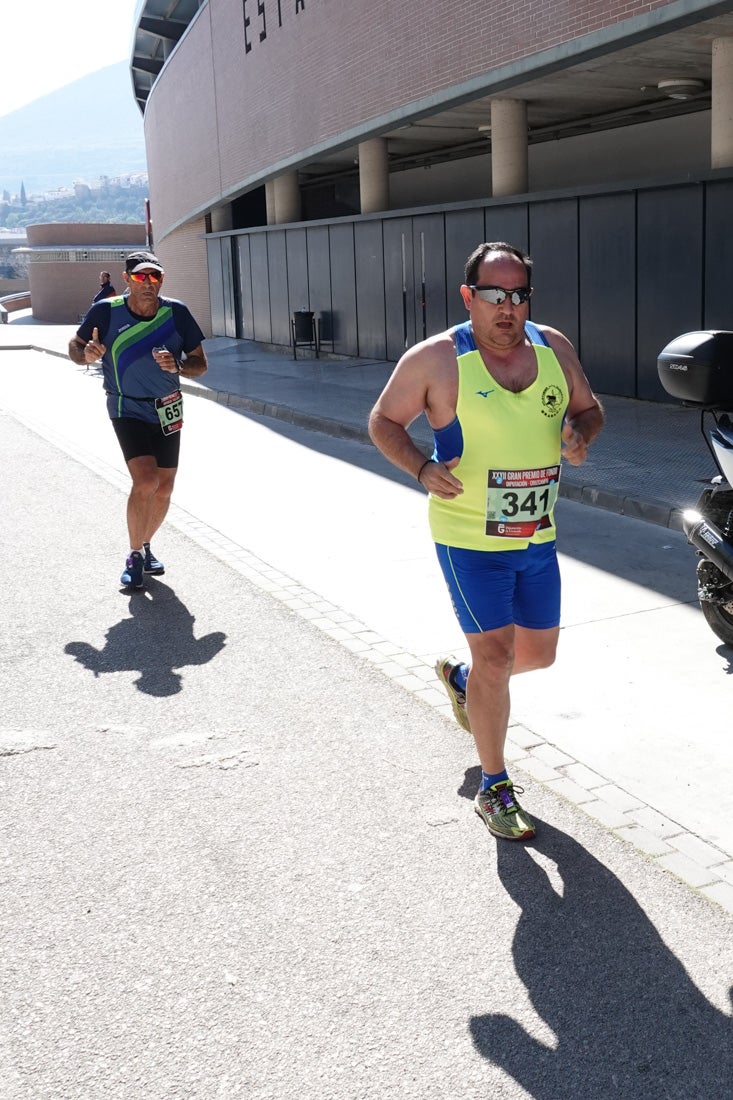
<point x="496" y="294"/>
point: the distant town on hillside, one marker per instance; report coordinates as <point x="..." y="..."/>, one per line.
<point x="109" y="199"/>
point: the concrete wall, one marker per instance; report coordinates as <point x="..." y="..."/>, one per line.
<point x="78" y="234"/>
<point x="667" y="146"/>
<point x="60" y="295"/>
<point x="65" y="261"/>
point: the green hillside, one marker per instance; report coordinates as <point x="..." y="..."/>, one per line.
<point x="109" y="203"/>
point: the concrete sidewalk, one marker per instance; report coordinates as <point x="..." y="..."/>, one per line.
<point x="649" y="462"/>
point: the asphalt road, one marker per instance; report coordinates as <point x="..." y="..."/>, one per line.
<point x="238" y="860"/>
<point x="632" y="712"/>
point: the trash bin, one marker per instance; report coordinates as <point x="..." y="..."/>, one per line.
<point x="303" y="326"/>
<point x="303" y="330"/>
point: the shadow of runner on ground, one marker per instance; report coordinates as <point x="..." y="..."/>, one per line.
<point x="628" y="1019"/>
<point x="156" y="640"/>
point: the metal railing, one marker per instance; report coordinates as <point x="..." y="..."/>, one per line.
<point x="10" y="302"/>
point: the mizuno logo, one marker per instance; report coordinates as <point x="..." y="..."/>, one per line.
<point x="484" y="393"/>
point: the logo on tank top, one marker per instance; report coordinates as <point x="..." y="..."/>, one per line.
<point x="551" y="401"/>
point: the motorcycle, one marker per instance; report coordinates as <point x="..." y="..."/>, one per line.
<point x="697" y="368"/>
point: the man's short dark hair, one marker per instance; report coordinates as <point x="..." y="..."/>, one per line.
<point x="106" y="273"/>
<point x="479" y="254"/>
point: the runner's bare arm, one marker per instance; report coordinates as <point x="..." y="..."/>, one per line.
<point x="194" y="365"/>
<point x="76" y="351"/>
<point x="584" y="417"/>
<point x="83" y="353"/>
<point x="400" y="402"/>
<point x="407" y="395"/>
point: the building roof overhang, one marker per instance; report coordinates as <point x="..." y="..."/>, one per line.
<point x="590" y="84"/>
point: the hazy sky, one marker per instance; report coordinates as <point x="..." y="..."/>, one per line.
<point x="49" y="43"/>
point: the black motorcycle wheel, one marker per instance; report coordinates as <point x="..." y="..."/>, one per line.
<point x="719" y="618"/>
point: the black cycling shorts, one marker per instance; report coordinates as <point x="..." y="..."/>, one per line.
<point x="138" y="438"/>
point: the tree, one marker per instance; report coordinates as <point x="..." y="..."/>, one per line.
<point x="23" y="199"/>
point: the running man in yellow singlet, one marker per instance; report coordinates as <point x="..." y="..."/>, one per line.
<point x="506" y="399"/>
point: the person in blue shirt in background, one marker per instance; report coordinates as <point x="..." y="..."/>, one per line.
<point x="106" y="290"/>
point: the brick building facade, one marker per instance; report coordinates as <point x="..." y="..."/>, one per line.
<point x="250" y="94"/>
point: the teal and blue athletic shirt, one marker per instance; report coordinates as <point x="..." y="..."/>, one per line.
<point x="132" y="378"/>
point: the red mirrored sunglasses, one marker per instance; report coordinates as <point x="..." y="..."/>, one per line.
<point x="141" y="276"/>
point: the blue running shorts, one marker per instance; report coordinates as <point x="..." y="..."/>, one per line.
<point x="493" y="588"/>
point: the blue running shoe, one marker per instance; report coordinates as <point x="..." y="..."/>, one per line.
<point x="132" y="576"/>
<point x="151" y="564"/>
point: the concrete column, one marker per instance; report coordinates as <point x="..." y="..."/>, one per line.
<point x="287" y="198"/>
<point x="721" y="104"/>
<point x="509" y="160"/>
<point x="373" y="175"/>
<point x="270" y="202"/>
<point x="221" y="218"/>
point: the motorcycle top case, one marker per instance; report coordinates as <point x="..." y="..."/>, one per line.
<point x="697" y="367"/>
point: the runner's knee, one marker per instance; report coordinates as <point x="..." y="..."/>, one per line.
<point x="492" y="657"/>
<point x="145" y="481"/>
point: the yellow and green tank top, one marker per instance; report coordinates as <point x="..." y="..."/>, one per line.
<point x="509" y="449"/>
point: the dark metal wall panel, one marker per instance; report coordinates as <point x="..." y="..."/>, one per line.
<point x="227" y="271"/>
<point x="297" y="269"/>
<point x="277" y="265"/>
<point x="369" y="266"/>
<point x="508" y="223"/>
<point x="607" y="267"/>
<point x="260" y="288"/>
<point x="399" y="286"/>
<point x="429" y="251"/>
<point x="718" y="312"/>
<point x="343" y="289"/>
<point x="237" y="287"/>
<point x="553" y="245"/>
<point x="216" y="286"/>
<point x="621" y="274"/>
<point x="669" y="279"/>
<point x="245" y="288"/>
<point x="319" y="277"/>
<point x="464" y="231"/>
